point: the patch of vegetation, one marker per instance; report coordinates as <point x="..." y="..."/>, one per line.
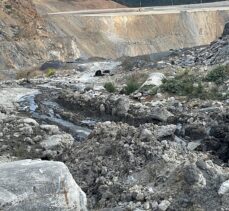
<point x="110" y="87"/>
<point x="27" y="74"/>
<point x="190" y="86"/>
<point x="131" y="86"/>
<point x="134" y="82"/>
<point x="182" y="84"/>
<point x="2" y="77"/>
<point x="23" y="74"/>
<point x="218" y="74"/>
<point x="8" y="6"/>
<point x="50" y="72"/>
<point x="149" y="89"/>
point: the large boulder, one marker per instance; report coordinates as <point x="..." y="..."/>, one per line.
<point x="155" y="79"/>
<point x="39" y="185"/>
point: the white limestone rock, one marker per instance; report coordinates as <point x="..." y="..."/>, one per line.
<point x="39" y="185"/>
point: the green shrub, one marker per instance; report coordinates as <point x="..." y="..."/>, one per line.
<point x="131" y="86"/>
<point x="50" y="72"/>
<point x="110" y="87"/>
<point x="192" y="87"/>
<point x="178" y="86"/>
<point x="150" y="89"/>
<point x="218" y="75"/>
<point x="184" y="85"/>
<point x="8" y="7"/>
<point x="134" y="82"/>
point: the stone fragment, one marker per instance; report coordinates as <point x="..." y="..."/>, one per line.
<point x="164" y="131"/>
<point x="224" y="188"/>
<point x="193" y="145"/>
<point x="51" y="129"/>
<point x="164" y="205"/>
<point x="155" y="79"/>
<point x="145" y="134"/>
<point x="57" y="141"/>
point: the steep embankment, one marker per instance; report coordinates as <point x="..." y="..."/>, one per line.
<point x="115" y="35"/>
<point x="30" y="40"/>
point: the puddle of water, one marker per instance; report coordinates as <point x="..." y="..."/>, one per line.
<point x="28" y="104"/>
<point x="78" y="132"/>
<point x="89" y="122"/>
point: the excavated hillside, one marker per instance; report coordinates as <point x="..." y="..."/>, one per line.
<point x="27" y="41"/>
<point x="19" y="20"/>
<point x="45" y="6"/>
<point x="115" y="35"/>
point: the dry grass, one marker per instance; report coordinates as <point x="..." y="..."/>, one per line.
<point x="2" y="77"/>
<point x="28" y="74"/>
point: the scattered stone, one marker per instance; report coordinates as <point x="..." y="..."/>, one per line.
<point x="51" y="129"/>
<point x="58" y="143"/>
<point x="164" y="205"/>
<point x="226" y="29"/>
<point x="193" y="145"/>
<point x="164" y="131"/>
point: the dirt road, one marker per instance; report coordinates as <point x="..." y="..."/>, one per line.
<point x="147" y="10"/>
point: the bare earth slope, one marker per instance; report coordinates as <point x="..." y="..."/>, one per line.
<point x="25" y="40"/>
<point x="45" y="6"/>
<point x="112" y="35"/>
<point x="19" y="19"/>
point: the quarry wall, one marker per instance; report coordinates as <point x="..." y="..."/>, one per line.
<point x="70" y="36"/>
<point x="112" y="36"/>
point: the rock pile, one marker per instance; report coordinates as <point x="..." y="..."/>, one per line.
<point x="115" y="107"/>
<point x="216" y="53"/>
<point x="25" y="138"/>
<point x="226" y="29"/>
<point x="146" y="168"/>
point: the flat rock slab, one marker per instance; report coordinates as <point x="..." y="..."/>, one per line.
<point x="39" y="186"/>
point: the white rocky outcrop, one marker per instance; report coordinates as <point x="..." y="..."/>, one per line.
<point x="39" y="185"/>
<point x="155" y="79"/>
